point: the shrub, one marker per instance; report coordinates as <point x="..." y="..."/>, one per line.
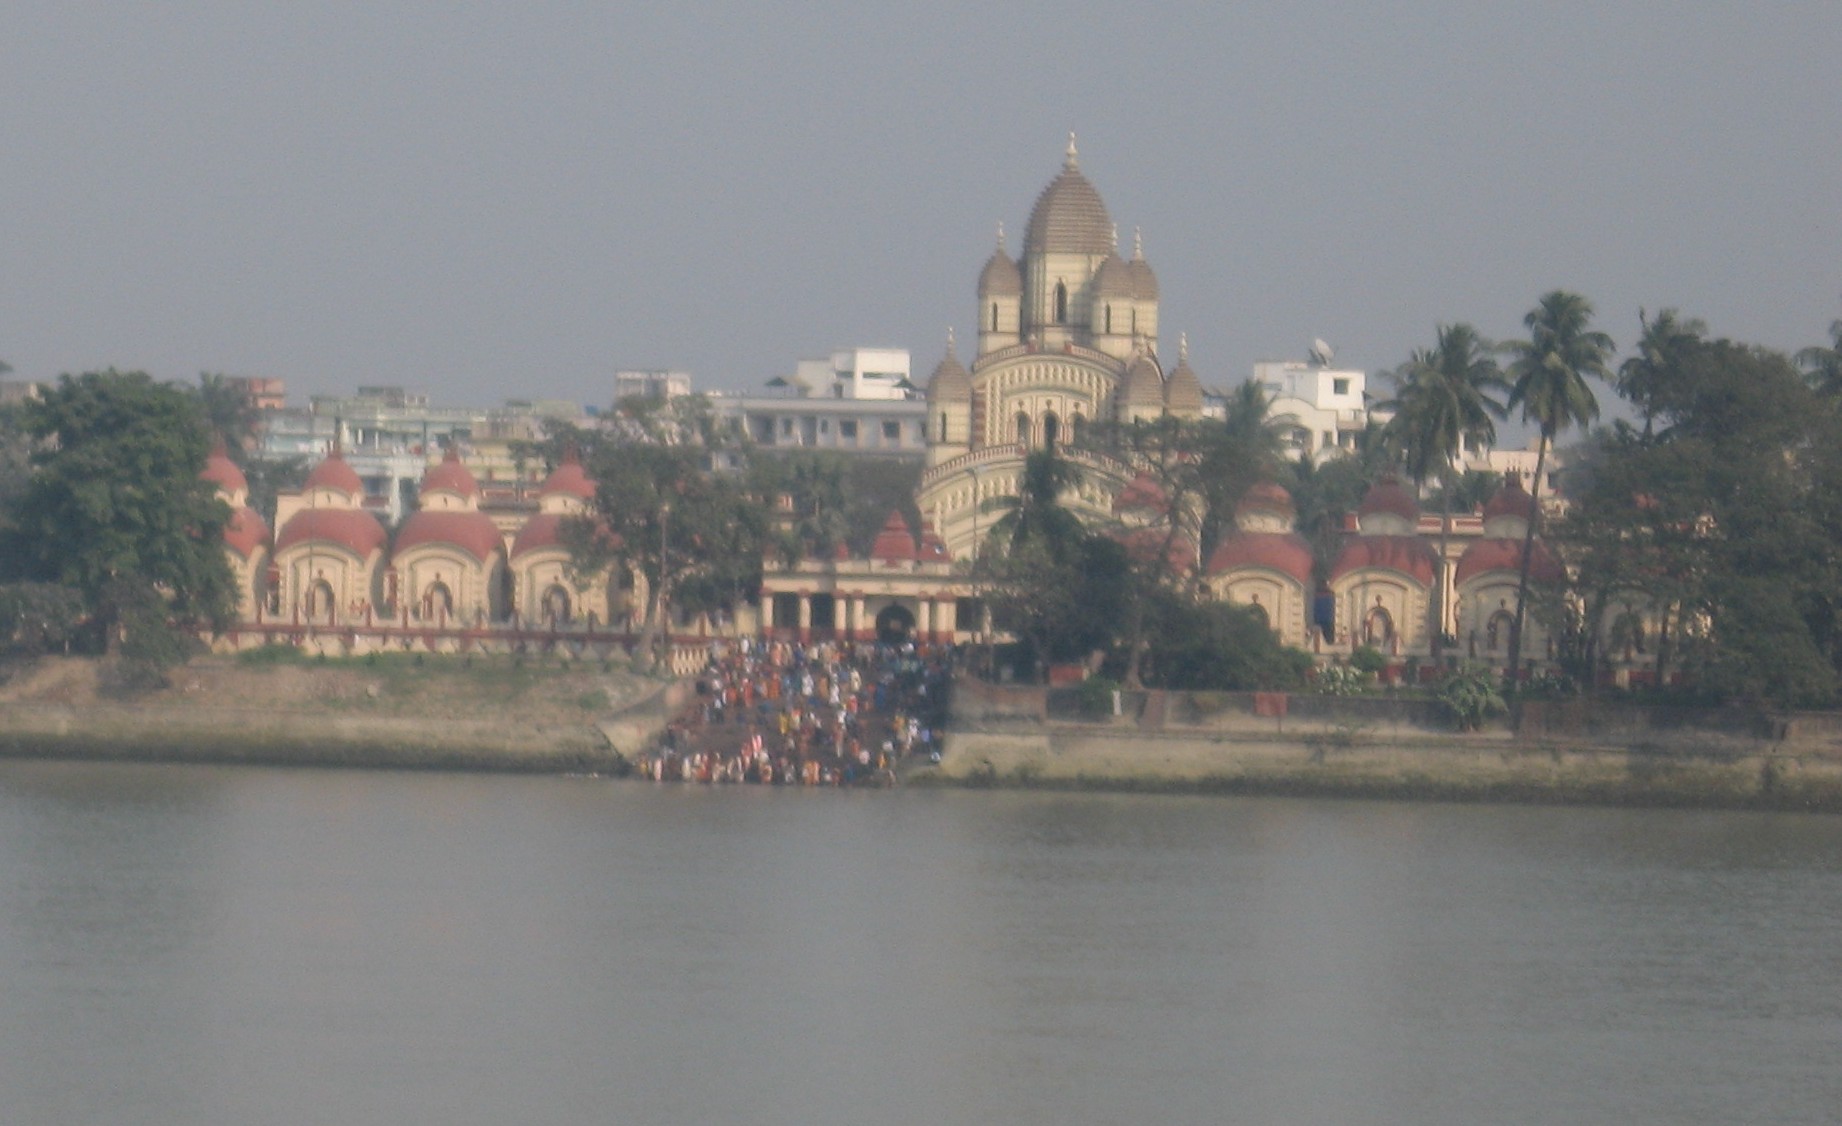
<point x="1095" y="696"/>
<point x="1470" y="696"/>
<point x="1340" y="680"/>
<point x="1368" y="660"/>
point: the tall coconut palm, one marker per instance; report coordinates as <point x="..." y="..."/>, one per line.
<point x="1549" y="385"/>
<point x="1646" y="379"/>
<point x="1823" y="366"/>
<point x="1445" y="400"/>
<point x="1036" y="511"/>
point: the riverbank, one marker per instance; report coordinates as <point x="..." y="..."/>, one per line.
<point x="390" y="713"/>
<point x="1324" y="746"/>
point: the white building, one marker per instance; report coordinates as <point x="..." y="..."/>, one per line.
<point x="651" y="384"/>
<point x="1322" y="410"/>
<point x="857" y="400"/>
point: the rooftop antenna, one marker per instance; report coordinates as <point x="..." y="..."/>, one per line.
<point x="1321" y="352"/>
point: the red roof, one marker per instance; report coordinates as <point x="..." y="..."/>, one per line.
<point x="351" y="528"/>
<point x="895" y="543"/>
<point x="541" y="531"/>
<point x="223" y="472"/>
<point x="1266" y="496"/>
<point x="472" y="532"/>
<point x="1143" y="544"/>
<point x="334" y="473"/>
<point x="1511" y="500"/>
<point x="1506" y="555"/>
<point x="933" y="548"/>
<point x="569" y="479"/>
<point x="1141" y="494"/>
<point x="1389" y="495"/>
<point x="1409" y="555"/>
<point x="246" y="531"/>
<point x="1287" y="553"/>
<point x="450" y="475"/>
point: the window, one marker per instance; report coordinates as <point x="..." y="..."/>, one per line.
<point x="892" y="432"/>
<point x="825" y="426"/>
<point x="786" y="426"/>
<point x="1061" y="303"/>
<point x="994" y="316"/>
<point x="943" y="426"/>
<point x="847" y="429"/>
<point x="1109" y="319"/>
<point x="1339" y="386"/>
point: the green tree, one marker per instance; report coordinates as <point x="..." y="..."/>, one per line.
<point x="1445" y="399"/>
<point x="1650" y="379"/>
<point x="1822" y="365"/>
<point x="1549" y="386"/>
<point x="116" y="510"/>
<point x="1244" y="449"/>
<point x="694" y="535"/>
<point x="1036" y="511"/>
<point x="230" y="415"/>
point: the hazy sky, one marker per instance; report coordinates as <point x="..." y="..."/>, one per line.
<point x="494" y="201"/>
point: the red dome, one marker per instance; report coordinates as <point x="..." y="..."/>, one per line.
<point x="544" y="530"/>
<point x="1511" y="500"/>
<point x="1389" y="495"/>
<point x="1266" y="496"/>
<point x="472" y="532"/>
<point x="223" y="472"/>
<point x="895" y="543"/>
<point x="1288" y="554"/>
<point x="568" y="479"/>
<point x="350" y="528"/>
<point x="1143" y="545"/>
<point x="1409" y="555"/>
<point x="1506" y="555"/>
<point x="334" y="473"/>
<point x="1141" y="494"/>
<point x="246" y="531"/>
<point x="451" y="476"/>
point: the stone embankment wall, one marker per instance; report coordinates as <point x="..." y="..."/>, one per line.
<point x="1258" y="743"/>
<point x="173" y="728"/>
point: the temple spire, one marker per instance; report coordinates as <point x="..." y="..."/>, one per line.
<point x="1073" y="159"/>
<point x="1138" y="245"/>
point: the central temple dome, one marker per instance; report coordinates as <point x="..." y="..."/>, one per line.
<point x="1069" y="217"/>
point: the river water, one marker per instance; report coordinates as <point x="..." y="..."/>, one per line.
<point x="220" y="945"/>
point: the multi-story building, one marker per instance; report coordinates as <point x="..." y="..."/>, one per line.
<point x="858" y="401"/>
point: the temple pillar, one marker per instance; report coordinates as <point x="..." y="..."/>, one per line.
<point x="767" y="612"/>
<point x="805" y="618"/>
<point x="865" y="630"/>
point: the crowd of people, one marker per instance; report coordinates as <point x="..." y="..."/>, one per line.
<point x="819" y="714"/>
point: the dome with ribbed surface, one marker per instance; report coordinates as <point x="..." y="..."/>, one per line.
<point x="1504" y="556"/>
<point x="472" y="532"/>
<point x="1143" y="385"/>
<point x="1512" y="501"/>
<point x="1113" y="279"/>
<point x="1183" y="391"/>
<point x="1144" y="281"/>
<point x="1266" y="497"/>
<point x="1000" y="277"/>
<point x="1069" y="217"/>
<point x="950" y="381"/>
<point x="1404" y="555"/>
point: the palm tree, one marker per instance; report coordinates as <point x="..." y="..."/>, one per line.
<point x="1244" y="449"/>
<point x="1549" y="376"/>
<point x="1823" y="366"/>
<point x="1646" y="378"/>
<point x="1036" y="511"/>
<point x="1445" y="401"/>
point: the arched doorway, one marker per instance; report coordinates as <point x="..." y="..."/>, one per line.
<point x="894" y="625"/>
<point x="1052" y="429"/>
<point x="1023" y="429"/>
<point x="1378" y="628"/>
